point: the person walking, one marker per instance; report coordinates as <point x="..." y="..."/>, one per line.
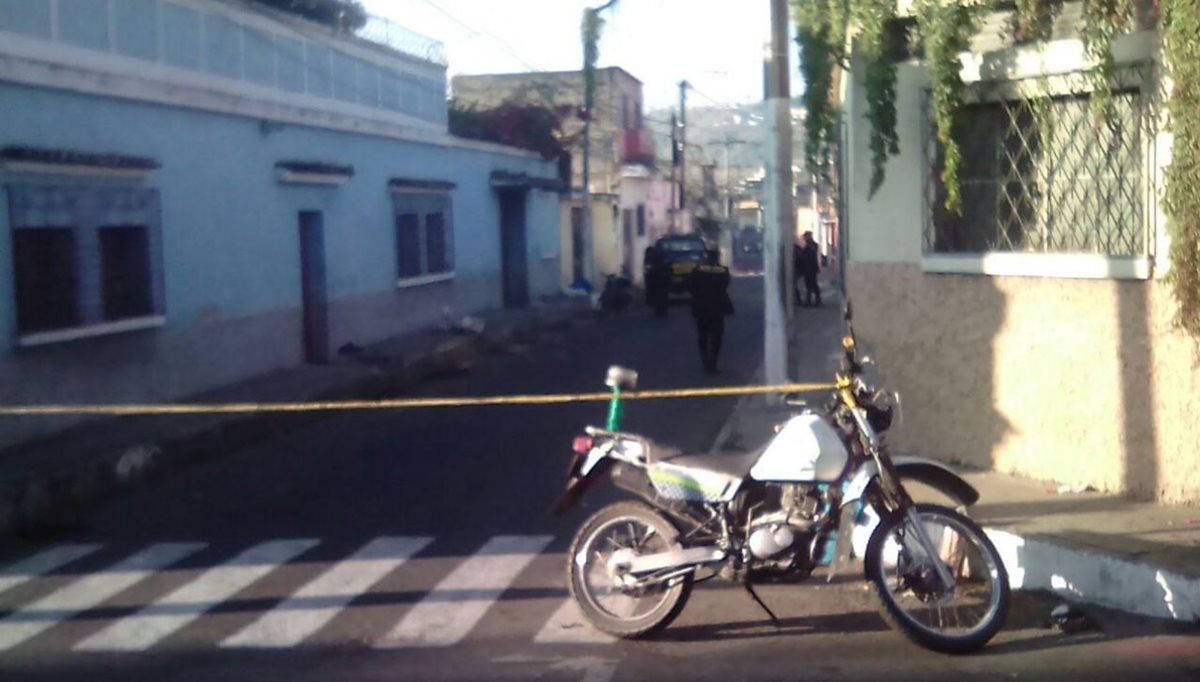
<point x="709" y="286"/>
<point x="808" y="264"/>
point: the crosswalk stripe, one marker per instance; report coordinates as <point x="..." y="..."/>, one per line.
<point x="171" y="613"/>
<point x="435" y="622"/>
<point x="42" y="563"/>
<point x="89" y="592"/>
<point x="567" y="626"/>
<point x="296" y="619"/>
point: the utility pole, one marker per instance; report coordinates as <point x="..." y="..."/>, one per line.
<point x="780" y="233"/>
<point x="674" y="214"/>
<point x="589" y="97"/>
<point x="683" y="86"/>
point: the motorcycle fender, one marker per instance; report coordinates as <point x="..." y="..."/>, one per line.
<point x="584" y="472"/>
<point x="937" y="475"/>
<point x="927" y="471"/>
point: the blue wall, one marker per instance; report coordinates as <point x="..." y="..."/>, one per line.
<point x="229" y="228"/>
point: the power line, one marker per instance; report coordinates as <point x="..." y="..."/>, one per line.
<point x="484" y="34"/>
<point x="728" y="107"/>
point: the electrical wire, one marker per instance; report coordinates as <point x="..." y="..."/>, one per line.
<point x="479" y="33"/>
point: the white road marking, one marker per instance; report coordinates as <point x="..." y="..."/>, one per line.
<point x="567" y="626"/>
<point x="89" y="592"/>
<point x="437" y="621"/>
<point x="42" y="563"/>
<point x="294" y="620"/>
<point x="170" y="614"/>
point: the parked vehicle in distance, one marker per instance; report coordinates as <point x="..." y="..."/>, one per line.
<point x="681" y="253"/>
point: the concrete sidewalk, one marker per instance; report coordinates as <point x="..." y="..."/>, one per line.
<point x="1086" y="547"/>
<point x="49" y="483"/>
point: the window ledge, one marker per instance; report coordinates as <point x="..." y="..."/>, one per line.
<point x="410" y="282"/>
<point x="46" y="168"/>
<point x="75" y="333"/>
<point x="1054" y="265"/>
<point x="291" y="177"/>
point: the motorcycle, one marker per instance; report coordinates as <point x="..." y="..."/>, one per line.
<point x="824" y="488"/>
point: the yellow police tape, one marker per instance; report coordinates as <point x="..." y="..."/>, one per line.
<point x="400" y="404"/>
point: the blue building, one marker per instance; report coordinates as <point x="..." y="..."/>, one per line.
<point x="199" y="191"/>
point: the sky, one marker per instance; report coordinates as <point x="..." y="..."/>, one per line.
<point x="716" y="45"/>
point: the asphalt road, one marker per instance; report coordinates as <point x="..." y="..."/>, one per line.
<point x="417" y="545"/>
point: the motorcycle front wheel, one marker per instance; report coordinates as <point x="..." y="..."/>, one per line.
<point x="605" y="596"/>
<point x="914" y="600"/>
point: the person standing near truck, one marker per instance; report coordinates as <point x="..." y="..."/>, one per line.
<point x="709" y="286"/>
<point x="658" y="281"/>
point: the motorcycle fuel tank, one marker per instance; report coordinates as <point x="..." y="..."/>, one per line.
<point x="806" y="450"/>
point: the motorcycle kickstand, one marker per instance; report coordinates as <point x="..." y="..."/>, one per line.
<point x="758" y="600"/>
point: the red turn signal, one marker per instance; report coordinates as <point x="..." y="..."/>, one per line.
<point x="582" y="445"/>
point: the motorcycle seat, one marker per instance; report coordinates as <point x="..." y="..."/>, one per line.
<point x="735" y="465"/>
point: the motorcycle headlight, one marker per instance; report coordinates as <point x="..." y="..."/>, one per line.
<point x="879" y="417"/>
<point x="883" y="409"/>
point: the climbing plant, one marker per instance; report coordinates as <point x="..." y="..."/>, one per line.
<point x="1181" y="43"/>
<point x="344" y="15"/>
<point x="880" y="54"/>
<point x="944" y="29"/>
<point x="1103" y="20"/>
<point x="821" y="33"/>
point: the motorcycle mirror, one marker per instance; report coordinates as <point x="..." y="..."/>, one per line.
<point x="621" y="378"/>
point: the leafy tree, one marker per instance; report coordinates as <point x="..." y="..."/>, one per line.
<point x="343" y="15"/>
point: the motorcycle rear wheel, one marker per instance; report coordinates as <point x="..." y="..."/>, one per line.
<point x="961" y="623"/>
<point x="611" y="608"/>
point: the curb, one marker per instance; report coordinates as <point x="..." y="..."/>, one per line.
<point x="1092" y="577"/>
<point x="1074" y="574"/>
<point x="60" y="500"/>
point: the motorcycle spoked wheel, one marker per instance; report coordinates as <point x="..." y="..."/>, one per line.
<point x="905" y="583"/>
<point x="606" y="604"/>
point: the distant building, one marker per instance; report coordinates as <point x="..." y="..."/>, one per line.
<point x="622" y="166"/>
<point x="193" y="192"/>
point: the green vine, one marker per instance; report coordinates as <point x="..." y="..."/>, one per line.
<point x="1102" y="21"/>
<point x="946" y="28"/>
<point x="1034" y="19"/>
<point x="1181" y="43"/>
<point x="880" y="53"/>
<point x="821" y="34"/>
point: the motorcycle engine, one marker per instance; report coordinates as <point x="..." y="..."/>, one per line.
<point x="775" y="529"/>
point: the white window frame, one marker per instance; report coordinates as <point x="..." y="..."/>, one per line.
<point x="90" y="328"/>
<point x="426" y="278"/>
<point x="1069" y="58"/>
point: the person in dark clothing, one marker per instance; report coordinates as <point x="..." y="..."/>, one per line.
<point x="808" y="264"/>
<point x="658" y="281"/>
<point x="709" y="286"/>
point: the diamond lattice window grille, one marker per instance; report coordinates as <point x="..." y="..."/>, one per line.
<point x="1042" y="174"/>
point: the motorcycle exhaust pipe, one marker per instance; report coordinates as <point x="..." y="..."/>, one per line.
<point x="628" y="561"/>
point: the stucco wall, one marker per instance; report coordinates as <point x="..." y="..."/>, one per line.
<point x="231" y="248"/>
<point x="1078" y="381"/>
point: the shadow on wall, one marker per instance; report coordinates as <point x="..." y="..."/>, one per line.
<point x="1140" y="467"/>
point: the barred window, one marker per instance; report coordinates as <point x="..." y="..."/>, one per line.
<point x="83" y="257"/>
<point x="1040" y="173"/>
<point x="424" y="235"/>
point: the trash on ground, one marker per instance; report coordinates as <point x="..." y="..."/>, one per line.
<point x="1075" y="489"/>
<point x="1070" y="619"/>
